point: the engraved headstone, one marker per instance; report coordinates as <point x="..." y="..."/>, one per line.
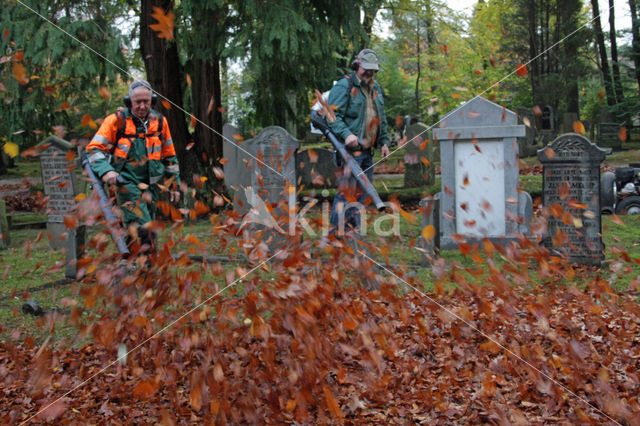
<point x="236" y="178"/>
<point x="271" y="190"/>
<point x="316" y="168"/>
<point x="609" y="136"/>
<point x="61" y="186"/>
<point x="419" y="155"/>
<point x="570" y="190"/>
<point x="479" y="162"/>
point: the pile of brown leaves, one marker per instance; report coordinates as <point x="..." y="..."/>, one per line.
<point x="310" y="345"/>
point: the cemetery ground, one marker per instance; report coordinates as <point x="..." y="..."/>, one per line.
<point x="493" y="335"/>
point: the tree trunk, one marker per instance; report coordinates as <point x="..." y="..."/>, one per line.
<point x="418" y="76"/>
<point x="206" y="94"/>
<point x="617" y="83"/>
<point x="604" y="62"/>
<point x="635" y="30"/>
<point x="165" y="74"/>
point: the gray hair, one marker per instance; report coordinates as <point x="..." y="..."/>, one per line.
<point x="139" y="83"/>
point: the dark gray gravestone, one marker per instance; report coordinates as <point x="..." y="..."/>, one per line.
<point x="609" y="136"/>
<point x="236" y="177"/>
<point x="316" y="168"/>
<point x="61" y="186"/>
<point x="271" y="190"/>
<point x="479" y="162"/>
<point x="571" y="180"/>
<point x="419" y="156"/>
<point x="4" y="226"/>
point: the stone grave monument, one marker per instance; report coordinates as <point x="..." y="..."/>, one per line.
<point x="236" y="177"/>
<point x="609" y="136"/>
<point x="61" y="186"/>
<point x="315" y="168"/>
<point x="479" y="161"/>
<point x="419" y="154"/>
<point x="271" y="189"/>
<point x="571" y="184"/>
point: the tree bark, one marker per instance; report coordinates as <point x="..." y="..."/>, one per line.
<point x="165" y="74"/>
<point x="635" y="31"/>
<point x="604" y="62"/>
<point x="617" y="83"/>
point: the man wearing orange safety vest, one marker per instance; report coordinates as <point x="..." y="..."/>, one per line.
<point x="133" y="149"/>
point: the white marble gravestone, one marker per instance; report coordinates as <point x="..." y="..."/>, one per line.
<point x="479" y="162"/>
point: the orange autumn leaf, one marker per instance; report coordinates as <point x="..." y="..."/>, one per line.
<point x="425" y="161"/>
<point x="188" y="80"/>
<point x="313" y="156"/>
<point x="192" y="239"/>
<point x="165" y="24"/>
<point x="537" y="111"/>
<point x="578" y="127"/>
<point x="218" y="172"/>
<point x="88" y="121"/>
<point x="19" y="55"/>
<point x="408" y="216"/>
<point x="478" y="72"/>
<point x="222" y="110"/>
<point x="145" y="389"/>
<point x="6" y="33"/>
<point x="238" y="137"/>
<point x="193" y="121"/>
<point x="429" y="232"/>
<point x="223" y="161"/>
<point x="332" y="403"/>
<point x="104" y="92"/>
<point x="20" y="73"/>
<point x="623" y="134"/>
<point x="65" y="105"/>
<point x="166" y="104"/>
<point x="521" y="70"/>
<point x="211" y="105"/>
<point x="70" y="222"/>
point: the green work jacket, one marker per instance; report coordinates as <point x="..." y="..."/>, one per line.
<point x="351" y="109"/>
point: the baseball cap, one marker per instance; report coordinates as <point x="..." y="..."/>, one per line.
<point x="368" y="59"/>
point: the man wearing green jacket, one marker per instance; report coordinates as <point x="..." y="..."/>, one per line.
<point x="362" y="125"/>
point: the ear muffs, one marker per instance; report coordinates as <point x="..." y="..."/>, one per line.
<point x="127" y="100"/>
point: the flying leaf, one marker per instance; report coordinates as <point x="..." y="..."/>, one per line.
<point x="65" y="105"/>
<point x="88" y="121"/>
<point x="521" y="70"/>
<point x="537" y="111"/>
<point x="623" y="134"/>
<point x="211" y="105"/>
<point x="104" y="92"/>
<point x="165" y="24"/>
<point x="20" y="73"/>
<point x="429" y="232"/>
<point x="332" y="403"/>
<point x="6" y="33"/>
<point x="11" y="149"/>
<point x="218" y="172"/>
<point x="193" y="121"/>
<point x="18" y="56"/>
<point x="478" y="72"/>
<point x="578" y="127"/>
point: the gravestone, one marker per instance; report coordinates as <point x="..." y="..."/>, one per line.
<point x="571" y="184"/>
<point x="316" y="168"/>
<point x="271" y="189"/>
<point x="609" y="136"/>
<point x="236" y="178"/>
<point x="479" y="162"/>
<point x="419" y="155"/>
<point x="4" y="226"/>
<point x="61" y="186"/>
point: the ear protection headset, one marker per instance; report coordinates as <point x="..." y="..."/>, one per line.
<point x="138" y="83"/>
